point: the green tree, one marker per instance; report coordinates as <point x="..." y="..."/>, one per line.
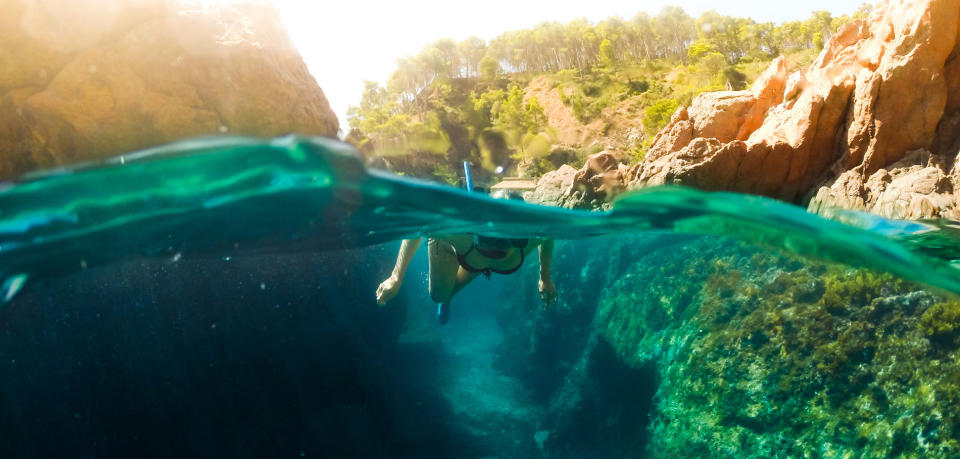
<point x="821" y="24"/>
<point x="509" y="115"/>
<point x="863" y="11"/>
<point x="729" y="35"/>
<point x="658" y="115"/>
<point x="700" y="48"/>
<point x="710" y="67"/>
<point x="641" y="37"/>
<point x="478" y="109"/>
<point x="616" y="32"/>
<point x="535" y="117"/>
<point x="520" y="122"/>
<point x="379" y="124"/>
<point x="489" y="68"/>
<point x="605" y="56"/>
<point x="472" y="51"/>
<point x="764" y="41"/>
<point x="677" y="29"/>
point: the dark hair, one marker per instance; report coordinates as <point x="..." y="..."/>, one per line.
<point x="501" y="243"/>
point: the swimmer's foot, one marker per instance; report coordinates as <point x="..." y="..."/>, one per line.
<point x="443" y="312"/>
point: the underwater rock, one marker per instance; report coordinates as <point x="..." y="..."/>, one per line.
<point x="90" y="79"/>
<point x="880" y="89"/>
<point x="600" y="387"/>
<point x="764" y="355"/>
<point x="750" y="353"/>
<point x="541" y="347"/>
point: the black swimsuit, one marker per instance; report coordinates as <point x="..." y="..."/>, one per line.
<point x="491" y="253"/>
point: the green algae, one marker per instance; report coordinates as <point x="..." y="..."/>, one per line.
<point x="769" y="355"/>
<point x="941" y="323"/>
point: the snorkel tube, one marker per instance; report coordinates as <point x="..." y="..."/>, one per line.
<point x="467" y="177"/>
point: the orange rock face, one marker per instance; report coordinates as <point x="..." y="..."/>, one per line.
<point x="881" y="91"/>
<point x="86" y="79"/>
<point x="590" y="187"/>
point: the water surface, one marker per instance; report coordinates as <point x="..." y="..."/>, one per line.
<point x="215" y="297"/>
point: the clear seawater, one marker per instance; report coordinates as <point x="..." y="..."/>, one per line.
<point x="215" y="298"/>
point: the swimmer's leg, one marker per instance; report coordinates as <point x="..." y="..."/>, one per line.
<point x="464" y="277"/>
<point x="444" y="270"/>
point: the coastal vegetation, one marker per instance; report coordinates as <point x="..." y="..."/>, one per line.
<point x="474" y="100"/>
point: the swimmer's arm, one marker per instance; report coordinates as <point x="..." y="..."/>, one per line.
<point x="548" y="292"/>
<point x="546" y="258"/>
<point x="389" y="288"/>
<point x="407" y="249"/>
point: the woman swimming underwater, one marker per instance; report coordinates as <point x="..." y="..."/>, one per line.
<point x="456" y="260"/>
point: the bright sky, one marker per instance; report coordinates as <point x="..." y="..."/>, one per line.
<point x="347" y="41"/>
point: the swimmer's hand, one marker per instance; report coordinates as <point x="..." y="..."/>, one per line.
<point x="548" y="292"/>
<point x="387" y="290"/>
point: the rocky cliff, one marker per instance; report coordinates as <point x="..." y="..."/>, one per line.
<point x="872" y="124"/>
<point x="89" y="79"/>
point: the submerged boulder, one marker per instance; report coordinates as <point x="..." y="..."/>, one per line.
<point x="760" y="355"/>
<point x="90" y="79"/>
<point x="881" y="89"/>
<point x="703" y="346"/>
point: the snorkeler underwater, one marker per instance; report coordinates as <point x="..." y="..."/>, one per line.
<point x="675" y="233"/>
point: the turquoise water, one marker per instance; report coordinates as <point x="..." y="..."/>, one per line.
<point x="226" y="195"/>
<point x="215" y="297"/>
